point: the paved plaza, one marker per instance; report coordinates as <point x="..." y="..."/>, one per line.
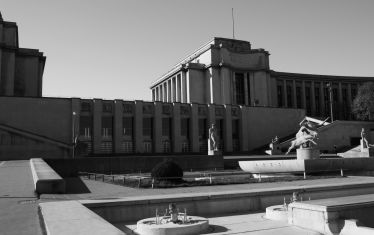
<point x="19" y="203"/>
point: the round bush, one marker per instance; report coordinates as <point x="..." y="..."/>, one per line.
<point x="167" y="169"/>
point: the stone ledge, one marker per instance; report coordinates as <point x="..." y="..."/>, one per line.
<point x="46" y="180"/>
<point x="71" y="217"/>
<point x="328" y="216"/>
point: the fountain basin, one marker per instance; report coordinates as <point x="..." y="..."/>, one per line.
<point x="277" y="212"/>
<point x="195" y="225"/>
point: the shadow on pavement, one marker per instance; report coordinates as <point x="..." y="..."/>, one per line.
<point x="74" y="185"/>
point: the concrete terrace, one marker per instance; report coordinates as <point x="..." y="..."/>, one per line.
<point x="19" y="203"/>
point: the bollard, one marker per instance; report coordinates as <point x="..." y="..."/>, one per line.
<point x="153" y="182"/>
<point x="304" y="175"/>
<point x="341" y="172"/>
<point x="259" y="177"/>
<point x="210" y="179"/>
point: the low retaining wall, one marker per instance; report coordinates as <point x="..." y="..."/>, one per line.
<point x="328" y="216"/>
<point x="46" y="180"/>
<point x="214" y="204"/>
<point x="131" y="164"/>
<point x="71" y="217"/>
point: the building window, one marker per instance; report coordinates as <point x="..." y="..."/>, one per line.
<point x="345" y="104"/>
<point x="317" y="96"/>
<point x="353" y="91"/>
<point x="128" y="128"/>
<point x="289" y="94"/>
<point x="308" y="100"/>
<point x="280" y="94"/>
<point x="85" y="126"/>
<point x="148" y="127"/>
<point x="203" y="127"/>
<point x="185" y="124"/>
<point x="107" y="126"/>
<point x="85" y="107"/>
<point x="298" y="97"/>
<point x="166" y="127"/>
<point x="239" y="89"/>
<point x="326" y="100"/>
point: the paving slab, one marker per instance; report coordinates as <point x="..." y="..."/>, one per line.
<point x="18" y="201"/>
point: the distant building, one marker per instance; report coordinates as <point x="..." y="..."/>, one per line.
<point x="225" y="82"/>
<point x="21" y="69"/>
<point x="229" y="71"/>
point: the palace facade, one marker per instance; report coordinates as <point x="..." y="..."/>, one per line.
<point x="227" y="71"/>
<point x="225" y="82"/>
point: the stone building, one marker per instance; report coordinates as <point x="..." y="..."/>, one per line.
<point x="227" y="71"/>
<point x="225" y="82"/>
<point x="21" y="69"/>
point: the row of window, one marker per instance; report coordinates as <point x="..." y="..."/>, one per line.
<point x="340" y="107"/>
<point x="86" y="125"/>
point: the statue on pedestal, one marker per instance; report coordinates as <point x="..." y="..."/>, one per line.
<point x="364" y="142"/>
<point x="306" y="135"/>
<point x="213" y="138"/>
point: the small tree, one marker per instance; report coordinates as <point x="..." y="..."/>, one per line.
<point x="167" y="169"/>
<point x="363" y="104"/>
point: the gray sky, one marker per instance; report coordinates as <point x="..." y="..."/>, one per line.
<point x="114" y="49"/>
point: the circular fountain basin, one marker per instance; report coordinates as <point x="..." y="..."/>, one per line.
<point x="277" y="212"/>
<point x="195" y="225"/>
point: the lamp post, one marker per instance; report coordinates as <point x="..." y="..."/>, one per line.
<point x="329" y="85"/>
<point x="73" y="134"/>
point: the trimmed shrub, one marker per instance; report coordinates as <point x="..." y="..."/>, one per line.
<point x="167" y="169"/>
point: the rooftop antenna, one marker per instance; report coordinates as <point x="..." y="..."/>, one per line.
<point x="233" y="23"/>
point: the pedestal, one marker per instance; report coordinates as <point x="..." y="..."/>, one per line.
<point x="307" y="153"/>
<point x="211" y="151"/>
<point x="363" y="146"/>
<point x="274" y="149"/>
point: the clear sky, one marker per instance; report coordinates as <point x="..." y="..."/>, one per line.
<point x="114" y="49"/>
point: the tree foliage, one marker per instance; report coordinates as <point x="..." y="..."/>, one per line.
<point x="167" y="169"/>
<point x="363" y="104"/>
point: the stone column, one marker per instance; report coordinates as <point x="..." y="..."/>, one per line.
<point x="138" y="126"/>
<point x="173" y="96"/>
<point x="176" y="129"/>
<point x="169" y="90"/>
<point x="178" y="88"/>
<point x="194" y="137"/>
<point x="234" y="101"/>
<point x="227" y="129"/>
<point x="97" y="117"/>
<point x="285" y="93"/>
<point x="157" y="136"/>
<point x="246" y="88"/>
<point x="165" y="92"/>
<point x="243" y="128"/>
<point x="211" y="117"/>
<point x="188" y="87"/>
<point x="117" y="126"/>
<point x="184" y="88"/>
<point x="340" y="101"/>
